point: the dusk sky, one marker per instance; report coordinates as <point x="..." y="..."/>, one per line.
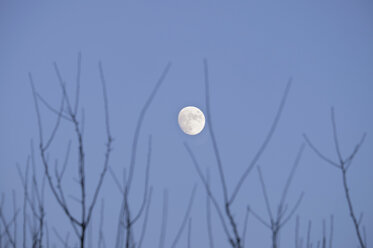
<point x="253" y="48"/>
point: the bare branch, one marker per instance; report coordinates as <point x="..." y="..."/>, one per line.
<point x="24" y="181"/>
<point x="59" y="175"/>
<point x="63" y="87"/>
<point x="64" y="242"/>
<point x="145" y="222"/>
<point x="47" y="234"/>
<point x="101" y="233"/>
<point x="164" y="219"/>
<point x="309" y="245"/>
<point x="77" y="92"/>
<point x="365" y="237"/>
<point x="360" y="218"/>
<point x="53" y="110"/>
<point x="51" y="137"/>
<point x="139" y="124"/>
<point x="343" y="166"/>
<point x="268" y="205"/>
<point x="348" y="161"/>
<point x="289" y="180"/>
<point x="146" y="181"/>
<point x="36" y="108"/>
<point x="116" y="181"/>
<point x="261" y="220"/>
<point x="297" y="244"/>
<point x="323" y="157"/>
<point x="212" y="135"/>
<point x="233" y="224"/>
<point x="186" y="216"/>
<point x="207" y="187"/>
<point x="244" y="230"/>
<point x="264" y="144"/>
<point x="335" y="136"/>
<point x="189" y="232"/>
<point x="6" y="225"/>
<point x="208" y="213"/>
<point x="108" y="146"/>
<point x="15" y="214"/>
<point x="331" y="232"/>
<point x="292" y="212"/>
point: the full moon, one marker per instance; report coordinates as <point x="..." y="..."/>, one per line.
<point x="191" y="120"/>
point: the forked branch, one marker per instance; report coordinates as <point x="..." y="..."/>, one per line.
<point x="343" y="164"/>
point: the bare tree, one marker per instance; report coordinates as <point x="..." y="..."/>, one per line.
<point x="343" y="164"/>
<point x="282" y="216"/>
<point x="225" y="210"/>
<point x="69" y="112"/>
<point x="34" y="212"/>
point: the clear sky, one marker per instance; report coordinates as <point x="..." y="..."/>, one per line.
<point x="253" y="48"/>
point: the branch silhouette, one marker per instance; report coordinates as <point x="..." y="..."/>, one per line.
<point x="343" y="164"/>
<point x="276" y="222"/>
<point x="81" y="223"/>
<point x="232" y="233"/>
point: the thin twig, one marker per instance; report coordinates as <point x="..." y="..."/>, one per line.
<point x="189" y="232"/>
<point x="77" y="92"/>
<point x="264" y="144"/>
<point x="212" y="135"/>
<point x="257" y="216"/>
<point x="268" y="205"/>
<point x="322" y="156"/>
<point x="309" y="245"/>
<point x="343" y="165"/>
<point x="108" y="146"/>
<point x="145" y="222"/>
<point x="164" y="219"/>
<point x="208" y="213"/>
<point x="139" y="124"/>
<point x="101" y="233"/>
<point x="297" y="244"/>
<point x="63" y="241"/>
<point x="244" y="230"/>
<point x="331" y="232"/>
<point x="208" y="190"/>
<point x="146" y="187"/>
<point x="6" y="225"/>
<point x="186" y="216"/>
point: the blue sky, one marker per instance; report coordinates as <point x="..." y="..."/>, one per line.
<point x="253" y="48"/>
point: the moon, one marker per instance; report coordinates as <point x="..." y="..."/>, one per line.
<point x="191" y="120"/>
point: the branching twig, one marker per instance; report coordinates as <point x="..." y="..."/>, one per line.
<point x="139" y="124"/>
<point x="7" y="226"/>
<point x="276" y="222"/>
<point x="343" y="165"/>
<point x="232" y="233"/>
<point x="264" y="144"/>
<point x="79" y="224"/>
